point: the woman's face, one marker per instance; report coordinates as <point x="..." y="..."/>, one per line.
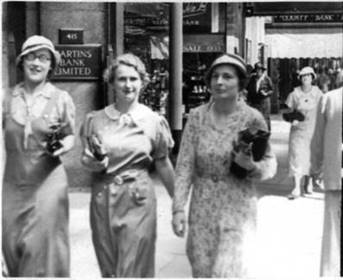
<point x="306" y="79"/>
<point x="224" y="82"/>
<point x="127" y="83"/>
<point x="36" y="66"/>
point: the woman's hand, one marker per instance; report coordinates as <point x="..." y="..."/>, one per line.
<point x="179" y="223"/>
<point x="243" y="157"/>
<point x="67" y="144"/>
<point x="96" y="147"/>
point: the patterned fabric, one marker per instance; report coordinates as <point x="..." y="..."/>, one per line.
<point x="301" y="134"/>
<point x="222" y="216"/>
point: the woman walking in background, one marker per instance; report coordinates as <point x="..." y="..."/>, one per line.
<point x="120" y="144"/>
<point x="304" y="101"/>
<point x="222" y="215"/>
<point x="38" y="125"/>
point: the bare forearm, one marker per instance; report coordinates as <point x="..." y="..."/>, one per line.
<point x="166" y="172"/>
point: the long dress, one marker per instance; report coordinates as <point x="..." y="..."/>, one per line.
<point x="35" y="237"/>
<point x="222" y="214"/>
<point x="301" y="134"/>
<point x="123" y="203"/>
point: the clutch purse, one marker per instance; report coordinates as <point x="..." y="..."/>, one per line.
<point x="53" y="139"/>
<point x="292" y="116"/>
<point x="259" y="144"/>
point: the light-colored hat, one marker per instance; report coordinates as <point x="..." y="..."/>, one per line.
<point x="307" y="70"/>
<point x="35" y="43"/>
<point x="231" y="59"/>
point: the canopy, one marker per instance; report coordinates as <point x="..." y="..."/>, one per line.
<point x="305" y="42"/>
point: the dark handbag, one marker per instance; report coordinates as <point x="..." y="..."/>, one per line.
<point x="292" y="116"/>
<point x="259" y="141"/>
<point x="53" y="139"/>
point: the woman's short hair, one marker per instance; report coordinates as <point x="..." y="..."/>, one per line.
<point x="127" y="59"/>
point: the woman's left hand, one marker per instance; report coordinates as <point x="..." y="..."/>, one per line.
<point x="244" y="158"/>
<point x="67" y="143"/>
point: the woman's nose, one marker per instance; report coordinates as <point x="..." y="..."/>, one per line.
<point x="128" y="83"/>
<point x="219" y="79"/>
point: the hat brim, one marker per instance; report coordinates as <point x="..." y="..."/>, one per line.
<point x="314" y="76"/>
<point x="55" y="53"/>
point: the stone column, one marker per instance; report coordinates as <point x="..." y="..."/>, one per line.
<point x="87" y="95"/>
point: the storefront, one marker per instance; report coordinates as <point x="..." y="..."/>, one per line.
<point x="296" y="41"/>
<point x="90" y="34"/>
<point x="146" y="33"/>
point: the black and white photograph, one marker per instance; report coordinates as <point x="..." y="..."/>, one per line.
<point x="171" y="139"/>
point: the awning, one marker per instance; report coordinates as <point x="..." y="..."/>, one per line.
<point x="305" y="42"/>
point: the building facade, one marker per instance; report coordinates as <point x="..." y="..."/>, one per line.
<point x="89" y="34"/>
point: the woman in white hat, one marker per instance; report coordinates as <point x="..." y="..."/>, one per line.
<point x="38" y="123"/>
<point x="222" y="214"/>
<point x="303" y="99"/>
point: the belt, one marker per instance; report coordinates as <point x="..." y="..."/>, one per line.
<point x="213" y="176"/>
<point x="121" y="177"/>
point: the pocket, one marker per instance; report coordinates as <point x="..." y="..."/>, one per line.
<point x="140" y="192"/>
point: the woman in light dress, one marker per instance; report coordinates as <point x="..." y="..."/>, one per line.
<point x="222" y="214"/>
<point x="304" y="99"/>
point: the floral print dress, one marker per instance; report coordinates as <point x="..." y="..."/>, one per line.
<point x="222" y="214"/>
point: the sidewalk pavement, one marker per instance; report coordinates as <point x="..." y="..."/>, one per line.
<point x="289" y="232"/>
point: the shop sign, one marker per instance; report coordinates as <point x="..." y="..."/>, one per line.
<point x="79" y="62"/>
<point x="204" y="43"/>
<point x="309" y="18"/>
<point x="197" y="17"/>
<point x="292" y="8"/>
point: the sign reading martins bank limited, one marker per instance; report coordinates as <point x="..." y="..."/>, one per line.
<point x="78" y="62"/>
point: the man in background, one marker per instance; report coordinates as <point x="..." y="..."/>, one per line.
<point x="260" y="89"/>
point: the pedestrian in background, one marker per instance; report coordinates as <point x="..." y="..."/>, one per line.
<point x="326" y="163"/>
<point x="260" y="89"/>
<point x="38" y="122"/>
<point x="120" y="144"/>
<point x="222" y="214"/>
<point x="304" y="101"/>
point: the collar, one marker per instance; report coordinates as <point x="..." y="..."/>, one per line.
<point x="46" y="91"/>
<point x="138" y="113"/>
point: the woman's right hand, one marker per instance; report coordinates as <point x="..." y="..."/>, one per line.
<point x="96" y="147"/>
<point x="179" y="223"/>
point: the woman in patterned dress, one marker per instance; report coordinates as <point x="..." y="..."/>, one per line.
<point x="304" y="99"/>
<point x="120" y="144"/>
<point x="222" y="214"/>
<point x="35" y="237"/>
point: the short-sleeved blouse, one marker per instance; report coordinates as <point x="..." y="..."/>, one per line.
<point x="63" y="110"/>
<point x="26" y="128"/>
<point x="131" y="140"/>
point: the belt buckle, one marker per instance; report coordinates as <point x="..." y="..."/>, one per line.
<point x="118" y="180"/>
